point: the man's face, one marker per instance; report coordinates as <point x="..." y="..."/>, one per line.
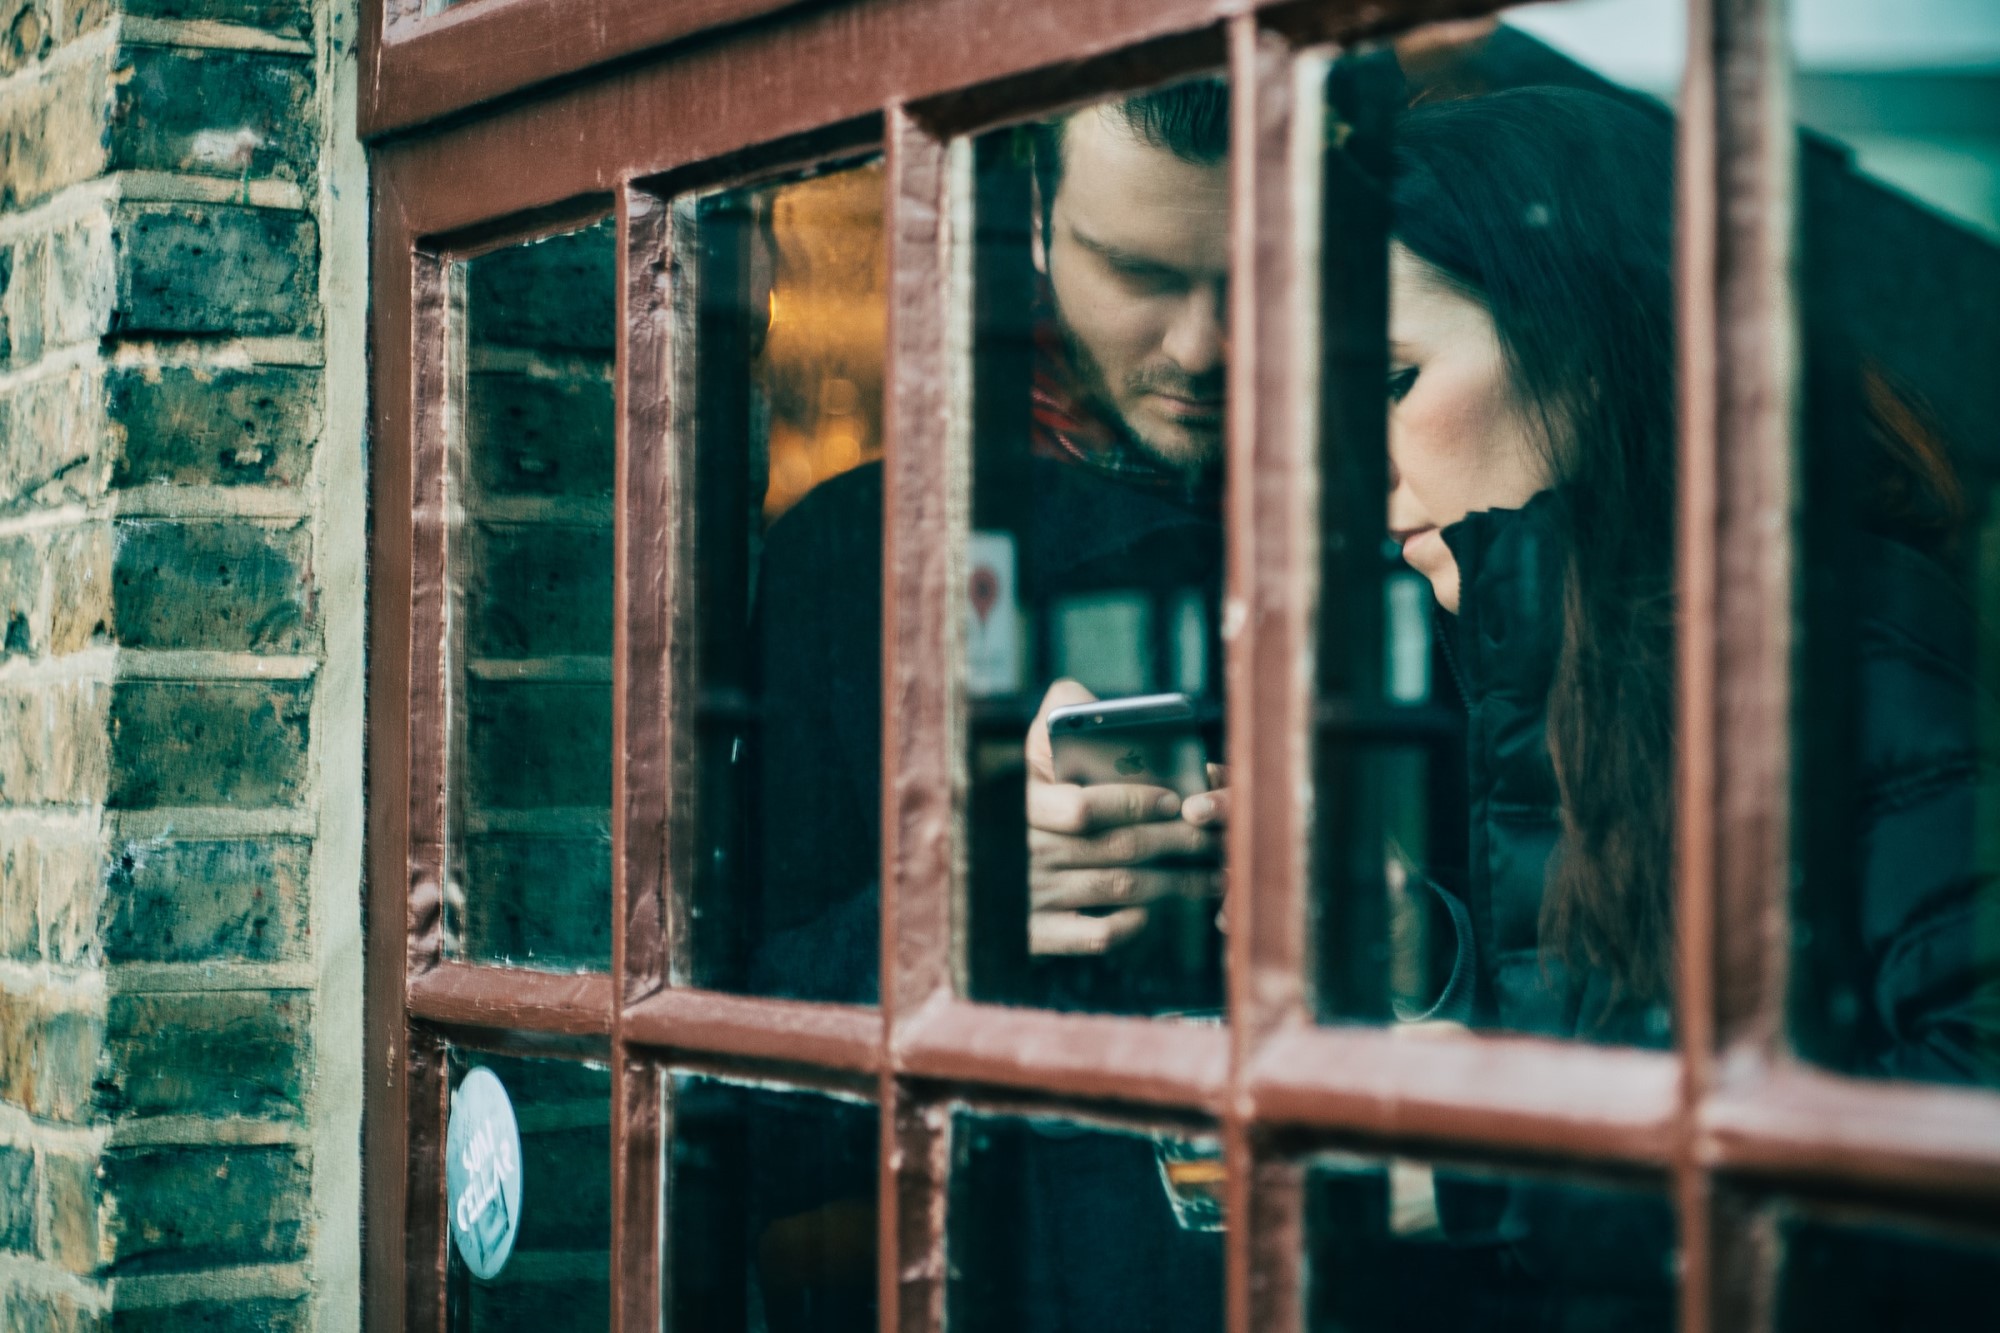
<point x="1138" y="258"/>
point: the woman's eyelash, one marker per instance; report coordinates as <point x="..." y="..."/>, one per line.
<point x="1401" y="382"/>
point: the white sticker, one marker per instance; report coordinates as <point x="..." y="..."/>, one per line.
<point x="482" y="1172"/>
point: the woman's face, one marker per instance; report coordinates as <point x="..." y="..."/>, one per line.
<point x="1459" y="441"/>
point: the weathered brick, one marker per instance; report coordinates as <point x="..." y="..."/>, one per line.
<point x="541" y="902"/>
<point x="227" y="586"/>
<point x="17" y="1199"/>
<point x="76" y="1238"/>
<point x="209" y="743"/>
<point x="52" y="425"/>
<point x="23" y="631"/>
<point x="82" y="279"/>
<point x="284" y="18"/>
<point x="59" y="286"/>
<point x="181" y="1208"/>
<point x="20" y="899"/>
<point x="54" y="590"/>
<point x="80" y="587"/>
<point x="215" y="269"/>
<point x="52" y="129"/>
<point x="534" y="744"/>
<point x="27" y="33"/>
<point x="71" y="889"/>
<point x="45" y="886"/>
<point x="540" y="435"/>
<point x="48" y="1054"/>
<point x="196" y="426"/>
<point x="58" y="751"/>
<point x="237" y="114"/>
<point x="539" y="590"/>
<point x="271" y="1315"/>
<point x="80" y="17"/>
<point x="558" y="294"/>
<point x="215" y="1053"/>
<point x="205" y="900"/>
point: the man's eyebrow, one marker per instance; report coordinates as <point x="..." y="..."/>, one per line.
<point x="1117" y="254"/>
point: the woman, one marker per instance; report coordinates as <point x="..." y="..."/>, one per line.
<point x="1532" y="466"/>
<point x="1532" y="482"/>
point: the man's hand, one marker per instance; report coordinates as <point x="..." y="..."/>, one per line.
<point x="1098" y="855"/>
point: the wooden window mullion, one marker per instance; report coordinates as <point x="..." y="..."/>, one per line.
<point x="1737" y="146"/>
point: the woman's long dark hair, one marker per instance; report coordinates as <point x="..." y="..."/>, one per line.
<point x="1553" y="208"/>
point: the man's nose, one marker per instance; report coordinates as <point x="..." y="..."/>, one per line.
<point x="1198" y="337"/>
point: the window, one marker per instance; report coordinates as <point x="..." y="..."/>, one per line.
<point x="790" y="446"/>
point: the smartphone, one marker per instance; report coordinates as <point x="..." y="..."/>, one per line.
<point x="1149" y="739"/>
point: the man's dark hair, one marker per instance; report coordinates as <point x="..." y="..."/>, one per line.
<point x="1189" y="120"/>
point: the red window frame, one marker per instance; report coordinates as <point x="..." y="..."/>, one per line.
<point x="1724" y="1123"/>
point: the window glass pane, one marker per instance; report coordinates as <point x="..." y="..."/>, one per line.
<point x="1099" y="280"/>
<point x="783" y="289"/>
<point x="1400" y="1245"/>
<point x="1896" y="750"/>
<point x="558" y="1276"/>
<point x="1055" y="1225"/>
<point x="1847" y="1279"/>
<point x="770" y="1209"/>
<point x="1495" y="758"/>
<point x="531" y="483"/>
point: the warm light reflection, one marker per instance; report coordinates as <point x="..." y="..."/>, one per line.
<point x="821" y="370"/>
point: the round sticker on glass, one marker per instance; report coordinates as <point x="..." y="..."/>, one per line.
<point x="482" y="1172"/>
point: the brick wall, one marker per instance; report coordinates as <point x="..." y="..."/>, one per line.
<point x="182" y="278"/>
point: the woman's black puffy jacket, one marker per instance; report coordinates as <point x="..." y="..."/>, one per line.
<point x="1928" y="1003"/>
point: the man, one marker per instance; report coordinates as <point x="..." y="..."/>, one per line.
<point x="1130" y="242"/>
<point x="1133" y="243"/>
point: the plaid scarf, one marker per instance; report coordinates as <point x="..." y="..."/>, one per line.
<point x="1068" y="427"/>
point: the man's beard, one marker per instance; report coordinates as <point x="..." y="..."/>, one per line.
<point x="1089" y="379"/>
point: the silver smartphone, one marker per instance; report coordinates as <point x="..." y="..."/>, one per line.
<point x="1149" y="739"/>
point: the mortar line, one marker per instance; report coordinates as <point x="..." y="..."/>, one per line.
<point x="207" y="821"/>
<point x="202" y="977"/>
<point x="77" y="989"/>
<point x="90" y="666"/>
<point x="211" y="35"/>
<point x="187" y="187"/>
<point x="218" y="353"/>
<point x="41" y="520"/>
<point x="239" y="1282"/>
<point x="165" y="500"/>
<point x="196" y="1131"/>
<point x="52" y="362"/>
<point x="20" y="1128"/>
<point x="42" y="1277"/>
<point x="219" y="666"/>
<point x="68" y="204"/>
<point x="78" y="821"/>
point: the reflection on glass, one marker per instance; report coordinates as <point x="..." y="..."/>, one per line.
<point x="770" y="1209"/>
<point x="785" y="286"/>
<point x="1847" y="1279"/>
<point x="1495" y="759"/>
<point x="1896" y="946"/>
<point x="529" y="879"/>
<point x="1056" y="1225"/>
<point x="558" y="1279"/>
<point x="1395" y="1246"/>
<point x="1099" y="279"/>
